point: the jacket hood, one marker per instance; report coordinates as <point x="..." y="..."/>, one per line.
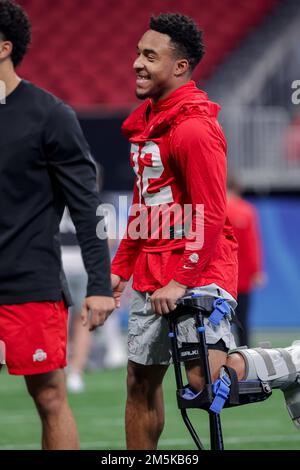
<point x="186" y="101"/>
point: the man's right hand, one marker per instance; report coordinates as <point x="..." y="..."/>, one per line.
<point x="118" y="286"/>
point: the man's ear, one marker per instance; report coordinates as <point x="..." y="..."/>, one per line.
<point x="182" y="67"/>
<point x="6" y="48"/>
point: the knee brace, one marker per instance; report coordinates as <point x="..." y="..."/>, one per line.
<point x="280" y="368"/>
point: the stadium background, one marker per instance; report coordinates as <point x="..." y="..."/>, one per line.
<point x="83" y="52"/>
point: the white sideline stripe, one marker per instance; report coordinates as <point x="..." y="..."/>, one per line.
<point x="102" y="445"/>
<point x="88" y="410"/>
<point x="9" y="420"/>
<point x="33" y="418"/>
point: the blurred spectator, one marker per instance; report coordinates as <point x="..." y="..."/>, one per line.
<point x="81" y="338"/>
<point x="293" y="140"/>
<point x="244" y="220"/>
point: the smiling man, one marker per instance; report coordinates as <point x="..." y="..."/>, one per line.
<point x="179" y="156"/>
<point x="178" y="153"/>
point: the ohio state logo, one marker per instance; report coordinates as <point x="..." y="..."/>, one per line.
<point x="194" y="258"/>
<point x="39" y="356"/>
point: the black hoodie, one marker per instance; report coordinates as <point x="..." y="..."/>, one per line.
<point x="45" y="164"/>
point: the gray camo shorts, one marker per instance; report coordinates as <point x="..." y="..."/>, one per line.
<point x="148" y="341"/>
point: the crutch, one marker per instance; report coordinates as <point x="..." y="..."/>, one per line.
<point x="216" y="437"/>
<point x="225" y="392"/>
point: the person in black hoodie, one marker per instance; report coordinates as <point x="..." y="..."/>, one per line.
<point x="45" y="165"/>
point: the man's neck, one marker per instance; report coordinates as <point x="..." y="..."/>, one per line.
<point x="168" y="92"/>
<point x="9" y="77"/>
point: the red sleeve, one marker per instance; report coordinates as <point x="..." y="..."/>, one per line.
<point x="199" y="149"/>
<point x="128" y="251"/>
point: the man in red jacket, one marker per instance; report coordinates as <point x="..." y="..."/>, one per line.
<point x="178" y="153"/>
<point x="243" y="217"/>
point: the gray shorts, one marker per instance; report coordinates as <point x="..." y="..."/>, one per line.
<point x="148" y="341"/>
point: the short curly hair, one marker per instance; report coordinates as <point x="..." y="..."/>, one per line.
<point x="184" y="33"/>
<point x="15" y="27"/>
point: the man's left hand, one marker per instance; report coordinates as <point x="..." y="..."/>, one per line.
<point x="163" y="300"/>
<point x="95" y="310"/>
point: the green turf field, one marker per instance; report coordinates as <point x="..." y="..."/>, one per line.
<point x="99" y="413"/>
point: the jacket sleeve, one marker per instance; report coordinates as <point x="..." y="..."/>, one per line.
<point x="129" y="248"/>
<point x="74" y="172"/>
<point x="199" y="150"/>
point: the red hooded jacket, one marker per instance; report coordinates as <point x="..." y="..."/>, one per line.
<point x="178" y="152"/>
